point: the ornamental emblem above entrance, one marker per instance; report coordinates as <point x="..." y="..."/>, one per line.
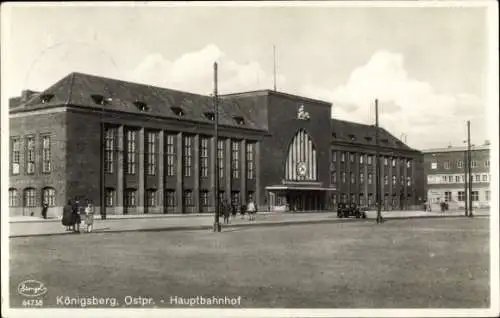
<point x="302" y="114"/>
<point x="301" y="169"/>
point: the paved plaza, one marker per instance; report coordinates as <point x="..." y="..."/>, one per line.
<point x="27" y="226"/>
<point x="406" y="263"/>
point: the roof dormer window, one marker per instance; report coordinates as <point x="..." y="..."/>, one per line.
<point x="45" y="98"/>
<point x="178" y="111"/>
<point x="239" y="120"/>
<point x="384" y="140"/>
<point x="352" y="137"/>
<point x="98" y="99"/>
<point x="368" y="138"/>
<point x="209" y="115"/>
<point x="141" y="106"/>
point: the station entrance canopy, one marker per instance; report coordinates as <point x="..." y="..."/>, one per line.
<point x="298" y="196"/>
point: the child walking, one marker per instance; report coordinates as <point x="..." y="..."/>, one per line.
<point x="89" y="217"/>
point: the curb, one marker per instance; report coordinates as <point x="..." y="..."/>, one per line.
<point x="202" y="227"/>
<point x="191" y="215"/>
<point x="261" y="224"/>
<point x="159" y="216"/>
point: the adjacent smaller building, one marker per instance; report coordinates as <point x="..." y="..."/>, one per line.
<point x="445" y="176"/>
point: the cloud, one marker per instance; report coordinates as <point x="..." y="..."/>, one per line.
<point x="57" y="60"/>
<point x="193" y="72"/>
<point x="406" y="105"/>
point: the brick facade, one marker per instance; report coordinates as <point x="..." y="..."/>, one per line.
<point x="397" y="191"/>
<point x="105" y="150"/>
<point x="51" y="124"/>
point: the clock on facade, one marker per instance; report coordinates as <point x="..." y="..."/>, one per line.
<point x="301" y="169"/>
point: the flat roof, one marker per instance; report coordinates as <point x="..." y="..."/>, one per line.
<point x="452" y="149"/>
<point x="269" y="91"/>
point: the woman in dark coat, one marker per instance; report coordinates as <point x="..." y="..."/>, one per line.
<point x="67" y="219"/>
<point x="234" y="210"/>
<point x="227" y="211"/>
<point x="45" y="207"/>
<point x="76" y="218"/>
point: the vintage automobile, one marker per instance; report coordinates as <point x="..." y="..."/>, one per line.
<point x="345" y="210"/>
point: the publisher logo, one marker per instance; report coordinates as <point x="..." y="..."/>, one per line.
<point x="31" y="288"/>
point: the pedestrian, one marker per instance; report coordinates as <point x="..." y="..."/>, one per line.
<point x="45" y="207"/>
<point x="251" y="210"/>
<point x="243" y="209"/>
<point x="76" y="217"/>
<point x="221" y="209"/>
<point x="234" y="210"/>
<point x="67" y="216"/>
<point x="89" y="217"/>
<point x="226" y="210"/>
<point x="425" y="206"/>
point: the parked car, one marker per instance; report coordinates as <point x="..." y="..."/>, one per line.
<point x="345" y="210"/>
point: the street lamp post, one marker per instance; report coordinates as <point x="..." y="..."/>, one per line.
<point x="217" y="225"/>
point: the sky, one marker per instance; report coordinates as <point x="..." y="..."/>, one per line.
<point x="427" y="66"/>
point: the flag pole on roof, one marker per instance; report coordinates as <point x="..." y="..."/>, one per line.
<point x="274" y="66"/>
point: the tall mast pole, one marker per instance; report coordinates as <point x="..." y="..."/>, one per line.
<point x="377" y="165"/>
<point x="217" y="226"/>
<point x="466" y="179"/>
<point x="469" y="157"/>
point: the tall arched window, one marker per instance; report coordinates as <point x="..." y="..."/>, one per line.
<point x="301" y="162"/>
<point x="29" y="197"/>
<point x="13" y="197"/>
<point x="49" y="196"/>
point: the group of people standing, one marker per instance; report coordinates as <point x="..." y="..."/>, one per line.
<point x="72" y="216"/>
<point x="73" y="212"/>
<point x="226" y="209"/>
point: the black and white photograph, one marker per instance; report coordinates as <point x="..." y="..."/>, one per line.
<point x="250" y="159"/>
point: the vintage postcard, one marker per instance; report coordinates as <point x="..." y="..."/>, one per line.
<point x="250" y="159"/>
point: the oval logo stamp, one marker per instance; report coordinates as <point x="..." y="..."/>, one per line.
<point x="31" y="288"/>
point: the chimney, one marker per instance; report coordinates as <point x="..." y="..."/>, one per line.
<point x="26" y="95"/>
<point x="486" y="142"/>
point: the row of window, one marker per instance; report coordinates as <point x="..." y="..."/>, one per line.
<point x="30" y="161"/>
<point x="440" y="179"/>
<point x="461" y="196"/>
<point x="151" y="197"/>
<point x="368" y="158"/>
<point x="365" y="201"/>
<point x="30" y="197"/>
<point x="458" y="164"/>
<point x="170" y="154"/>
<point x="370" y="178"/>
<point x="144" y="107"/>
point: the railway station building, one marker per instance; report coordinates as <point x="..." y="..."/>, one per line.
<point x="134" y="149"/>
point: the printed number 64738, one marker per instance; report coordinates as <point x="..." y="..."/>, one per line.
<point x="32" y="303"/>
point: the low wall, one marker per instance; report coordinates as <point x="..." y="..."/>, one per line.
<point x="52" y="212"/>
